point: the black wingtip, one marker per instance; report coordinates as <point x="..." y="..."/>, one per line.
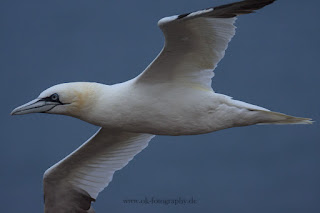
<point x="239" y="8"/>
<point x="234" y="9"/>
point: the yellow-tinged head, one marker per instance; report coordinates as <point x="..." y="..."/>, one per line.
<point x="71" y="99"/>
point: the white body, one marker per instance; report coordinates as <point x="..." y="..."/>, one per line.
<point x="182" y="110"/>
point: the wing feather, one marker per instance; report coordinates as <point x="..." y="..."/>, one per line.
<point x="195" y="43"/>
<point x="74" y="182"/>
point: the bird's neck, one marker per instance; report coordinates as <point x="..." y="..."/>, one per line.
<point x="107" y="105"/>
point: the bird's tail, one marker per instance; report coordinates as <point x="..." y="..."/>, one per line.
<point x="258" y="115"/>
<point x="269" y="117"/>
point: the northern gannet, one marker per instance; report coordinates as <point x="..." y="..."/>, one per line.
<point x="172" y="96"/>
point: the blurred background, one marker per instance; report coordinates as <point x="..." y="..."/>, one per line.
<point x="271" y="62"/>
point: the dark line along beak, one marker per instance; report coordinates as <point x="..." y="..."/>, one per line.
<point x="37" y="105"/>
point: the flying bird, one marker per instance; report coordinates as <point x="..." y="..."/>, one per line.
<point x="172" y="96"/>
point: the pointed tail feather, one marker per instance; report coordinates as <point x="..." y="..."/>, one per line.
<point x="279" y="118"/>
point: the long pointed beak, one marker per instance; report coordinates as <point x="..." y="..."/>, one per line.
<point x="34" y="106"/>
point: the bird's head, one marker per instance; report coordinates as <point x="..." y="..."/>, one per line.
<point x="71" y="99"/>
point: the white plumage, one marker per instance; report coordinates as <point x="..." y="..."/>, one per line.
<point x="172" y="96"/>
<point x="89" y="169"/>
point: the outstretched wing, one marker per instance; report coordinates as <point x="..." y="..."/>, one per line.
<point x="74" y="182"/>
<point x="195" y="43"/>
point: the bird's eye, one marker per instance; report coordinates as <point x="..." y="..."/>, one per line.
<point x="54" y="97"/>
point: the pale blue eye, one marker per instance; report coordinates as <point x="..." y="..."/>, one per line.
<point x="54" y="97"/>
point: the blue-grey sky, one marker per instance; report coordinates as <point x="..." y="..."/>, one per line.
<point x="273" y="61"/>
